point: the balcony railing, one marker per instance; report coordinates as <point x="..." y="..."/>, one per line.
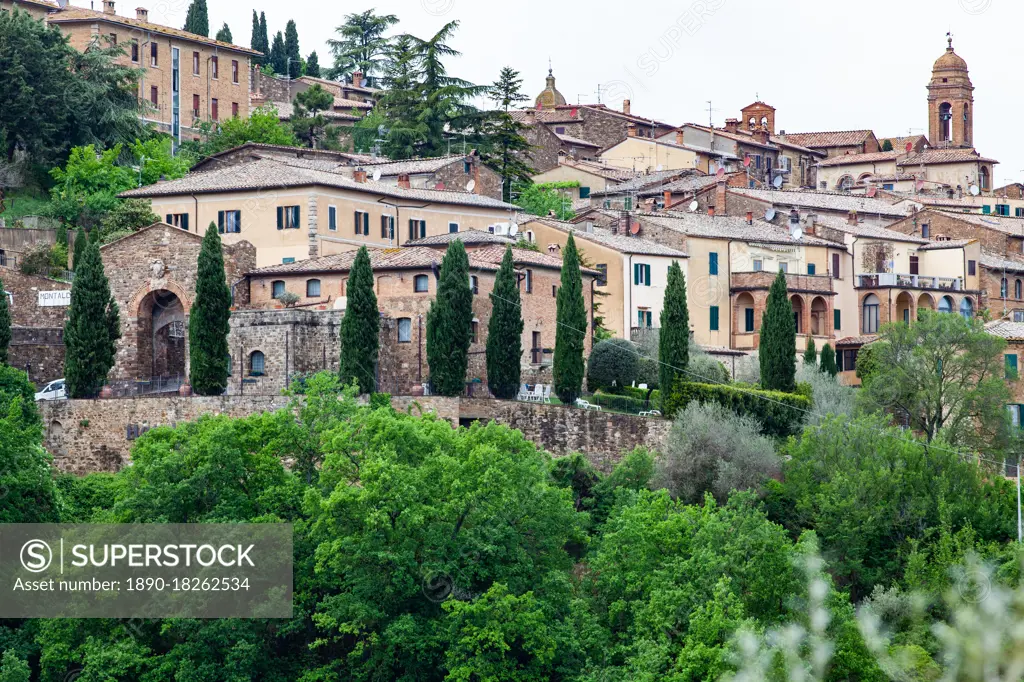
<point x="762" y="279"/>
<point x="897" y="279"/>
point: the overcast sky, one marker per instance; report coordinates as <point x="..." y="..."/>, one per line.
<point x="823" y="65"/>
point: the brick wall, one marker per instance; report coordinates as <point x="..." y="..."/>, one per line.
<point x="545" y="147"/>
<point x="454" y="176"/>
<point x="25" y="308"/>
<point x="39" y="351"/>
<point x="948" y="224"/>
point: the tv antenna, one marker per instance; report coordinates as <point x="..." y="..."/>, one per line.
<point x="711" y="123"/>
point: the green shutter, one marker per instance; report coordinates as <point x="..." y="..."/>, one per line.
<point x="220" y="222"/>
<point x="835" y="320"/>
<point x="811" y="268"/>
<point x="1011" y="366"/>
<point x="714" y="318"/>
<point x="280" y="217"/>
<point x="713" y="263"/>
<point x="647" y="275"/>
<point x="986" y="209"/>
<point x="636" y="273"/>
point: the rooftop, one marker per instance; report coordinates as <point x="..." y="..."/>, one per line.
<point x="619" y="242"/>
<point x="640" y="182"/>
<point x="692" y="183"/>
<point x="466" y="236"/>
<point x="1004" y="224"/>
<point x="946" y="244"/>
<point x="725" y="227"/>
<point x="1006" y="329"/>
<point x="865" y="230"/>
<point x="953" y="155"/>
<point x="831" y="138"/>
<point x="829" y="201"/>
<point x="850" y="159"/>
<point x="996" y="262"/>
<point x="857" y="340"/>
<point x="596" y="168"/>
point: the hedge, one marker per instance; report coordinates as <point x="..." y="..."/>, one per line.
<point x="621" y="403"/>
<point x="781" y="414"/>
<point x="641" y="394"/>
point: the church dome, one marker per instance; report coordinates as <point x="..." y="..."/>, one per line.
<point x="950" y="61"/>
<point x="550" y="97"/>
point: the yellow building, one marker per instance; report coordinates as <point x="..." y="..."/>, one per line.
<point x="37" y="8"/>
<point x="645" y="155"/>
<point x="290" y="211"/>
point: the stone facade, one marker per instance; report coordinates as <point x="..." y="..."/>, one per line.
<point x="39" y="351"/>
<point x="947" y="224"/>
<point x="812" y="298"/>
<point x="23" y="297"/>
<point x="15" y="241"/>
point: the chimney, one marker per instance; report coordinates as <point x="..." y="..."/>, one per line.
<point x="732" y="125"/>
<point x="357" y="78"/>
<point x="625" y="106"/>
<point x="679" y="137"/>
<point x="531" y="117"/>
<point x="108" y="7"/>
<point x="403" y="180"/>
<point x="750" y="217"/>
<point x="711" y="211"/>
<point x="631" y="130"/>
<point x="720" y="197"/>
<point x="667" y="198"/>
<point x="142" y="14"/>
<point x="359" y="175"/>
<point x="851" y="218"/>
<point x="761" y="135"/>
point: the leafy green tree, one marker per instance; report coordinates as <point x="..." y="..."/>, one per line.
<point x="571" y="329"/>
<point x="828" y="360"/>
<point x="5" y="324"/>
<point x="308" y="120"/>
<point x="256" y="40"/>
<point x="278" y="55"/>
<point x="263" y="126"/>
<point x="777" y="351"/>
<point x="13" y="668"/>
<point x="945" y="373"/>
<point x="92" y="328"/>
<point x="197" y="20"/>
<point x="224" y="34"/>
<point x="208" y="324"/>
<point x="291" y="50"/>
<point x="25" y="474"/>
<point x="360" y="327"/>
<point x="508" y="152"/>
<point x="401" y="101"/>
<point x="548" y="198"/>
<point x="887" y="146"/>
<point x="810" y="352"/>
<point x="674" y="331"/>
<point x="505" y="332"/>
<point x="126" y="217"/>
<point x="612" y="365"/>
<point x="361" y="44"/>
<point x="313" y="65"/>
<point x="450" y="323"/>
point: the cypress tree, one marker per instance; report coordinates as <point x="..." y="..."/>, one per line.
<point x="92" y="329"/>
<point x="81" y="240"/>
<point x="674" y="335"/>
<point x="313" y="65"/>
<point x="208" y="324"/>
<point x="255" y="42"/>
<point x="264" y="38"/>
<point x="5" y="325"/>
<point x="810" y="353"/>
<point x="450" y="323"/>
<point x="505" y="332"/>
<point x="360" y="328"/>
<point x="828" y="360"/>
<point x="291" y="49"/>
<point x="224" y="34"/>
<point x="197" y="20"/>
<point x="278" y="58"/>
<point x="778" y="340"/>
<point x="571" y="329"/>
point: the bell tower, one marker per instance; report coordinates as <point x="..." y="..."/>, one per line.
<point x="950" y="101"/>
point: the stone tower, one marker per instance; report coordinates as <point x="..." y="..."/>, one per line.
<point x="550" y="97"/>
<point x="950" y="102"/>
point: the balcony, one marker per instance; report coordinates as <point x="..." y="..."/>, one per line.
<point x="762" y="279"/>
<point x="882" y="280"/>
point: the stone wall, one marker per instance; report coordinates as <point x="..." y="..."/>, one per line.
<point x="24" y="299"/>
<point x="21" y="239"/>
<point x="39" y="351"/>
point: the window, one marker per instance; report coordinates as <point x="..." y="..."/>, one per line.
<point x="229" y="221"/>
<point x="758" y="265"/>
<point x="784" y="266"/>
<point x="986" y="209"/>
<point x="554" y="291"/>
<point x="387" y="227"/>
<point x="195" y="106"/>
<point x="287" y="260"/>
<point x="584" y="192"/>
<point x="915" y="267"/>
<point x="642" y="274"/>
<point x="602" y="274"/>
<point x="276" y="288"/>
<point x="712" y="263"/>
<point x="560" y="130"/>
<point x="1018" y="212"/>
<point x="213" y="109"/>
<point x="417" y="229"/>
<point x="474" y="284"/>
<point x="332" y="218"/>
<point x="811" y="268"/>
<point x="925" y="230"/>
<point x="529" y="281"/>
<point x="404" y="330"/>
<point x="420" y="284"/>
<point x="362" y="223"/>
<point x="1017" y="289"/>
<point x="972" y="267"/>
<point x="135" y="51"/>
<point x="474" y="329"/>
<point x="153" y="54"/>
<point x="1003" y="209"/>
<point x="536" y="351"/>
<point x="214" y="67"/>
<point x="178" y="220"/>
<point x="1015" y="419"/>
<point x="748" y="320"/>
<point x="644" y="318"/>
<point x="195" y="63"/>
<point x="835" y="265"/>
<point x="234" y="110"/>
<point x="154" y="96"/>
<point x="714" y="318"/>
<point x="945" y="304"/>
<point x="849" y="361"/>
<point x="256" y="363"/>
<point x="1011" y="365"/>
<point x="836" y="319"/>
<point x="888" y="186"/>
<point x="967" y="308"/>
<point x="312" y="288"/>
<point x="607" y="203"/>
<point x="869" y="324"/>
<point x="453" y="228"/>
<point x="287" y="217"/>
<point x="1003" y="288"/>
<point x="234" y="70"/>
<point x="627" y="203"/>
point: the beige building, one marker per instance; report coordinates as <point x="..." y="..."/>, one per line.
<point x="593" y="176"/>
<point x="37" y="8"/>
<point x="291" y="212"/>
<point x="645" y="155"/>
<point x="186" y="78"/>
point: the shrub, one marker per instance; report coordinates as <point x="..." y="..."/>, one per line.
<point x="706" y="369"/>
<point x="710" y="449"/>
<point x="621" y="403"/>
<point x="612" y="364"/>
<point x="780" y="414"/>
<point x="35" y="261"/>
<point x="827" y="395"/>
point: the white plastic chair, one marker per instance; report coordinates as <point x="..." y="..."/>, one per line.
<point x="546" y="395"/>
<point x="537" y="395"/>
<point x="524" y="393"/>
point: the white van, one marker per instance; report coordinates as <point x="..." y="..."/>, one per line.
<point x="53" y="391"/>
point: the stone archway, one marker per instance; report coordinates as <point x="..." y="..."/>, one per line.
<point x="160" y="335"/>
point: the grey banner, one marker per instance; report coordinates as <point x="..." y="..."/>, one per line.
<point x="174" y="570"/>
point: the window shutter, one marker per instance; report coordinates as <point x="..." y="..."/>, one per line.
<point x="636" y="273"/>
<point x="713" y="263"/>
<point x="1011" y="366"/>
<point x="647" y="275"/>
<point x="280" y="217"/>
<point x="184" y="221"/>
<point x="366" y="224"/>
<point x="220" y="222"/>
<point x="714" y="318"/>
<point x="170" y="219"/>
<point x="811" y="268"/>
<point x="835" y="320"/>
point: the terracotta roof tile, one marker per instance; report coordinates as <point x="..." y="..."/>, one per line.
<point x="619" y="242"/>
<point x="822" y="200"/>
<point x="1005" y="329"/>
<point x="857" y="340"/>
<point x="466" y="236"/>
<point x="831" y="138"/>
<point x="724" y="227"/>
<point x="930" y="156"/>
<point x="865" y="230"/>
<point x="849" y="159"/>
<point x="996" y="262"/>
<point x="946" y="244"/>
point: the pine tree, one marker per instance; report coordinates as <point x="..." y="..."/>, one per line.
<point x="208" y="324"/>
<point x="291" y="50"/>
<point x="92" y="329"/>
<point x="505" y="332"/>
<point x="264" y="38"/>
<point x="450" y="324"/>
<point x="778" y="340"/>
<point x="509" y="150"/>
<point x="674" y="334"/>
<point x="81" y="240"/>
<point x="360" y="328"/>
<point x="313" y="65"/>
<point x="5" y="325"/>
<point x="887" y="146"/>
<point x="197" y="20"/>
<point x="255" y="42"/>
<point x="224" y="34"/>
<point x="278" y="58"/>
<point x="571" y="328"/>
<point x="810" y="353"/>
<point x="828" y="360"/>
<point x="361" y="44"/>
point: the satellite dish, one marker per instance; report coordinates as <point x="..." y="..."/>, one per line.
<point x="513" y="229"/>
<point x="439" y="186"/>
<point x="634" y="228"/>
<point x="872" y="191"/>
<point x="975" y="191"/>
<point x="659" y="168"/>
<point x="573" y="112"/>
<point x="919" y="185"/>
<point x="694" y="206"/>
<point x="471" y="185"/>
<point x="376" y="174"/>
<point x="910" y="147"/>
<point x="746" y="161"/>
<point x="777" y="182"/>
<point x="769" y="215"/>
<point x="363" y="82"/>
<point x="796" y="233"/>
<point x="720" y="173"/>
